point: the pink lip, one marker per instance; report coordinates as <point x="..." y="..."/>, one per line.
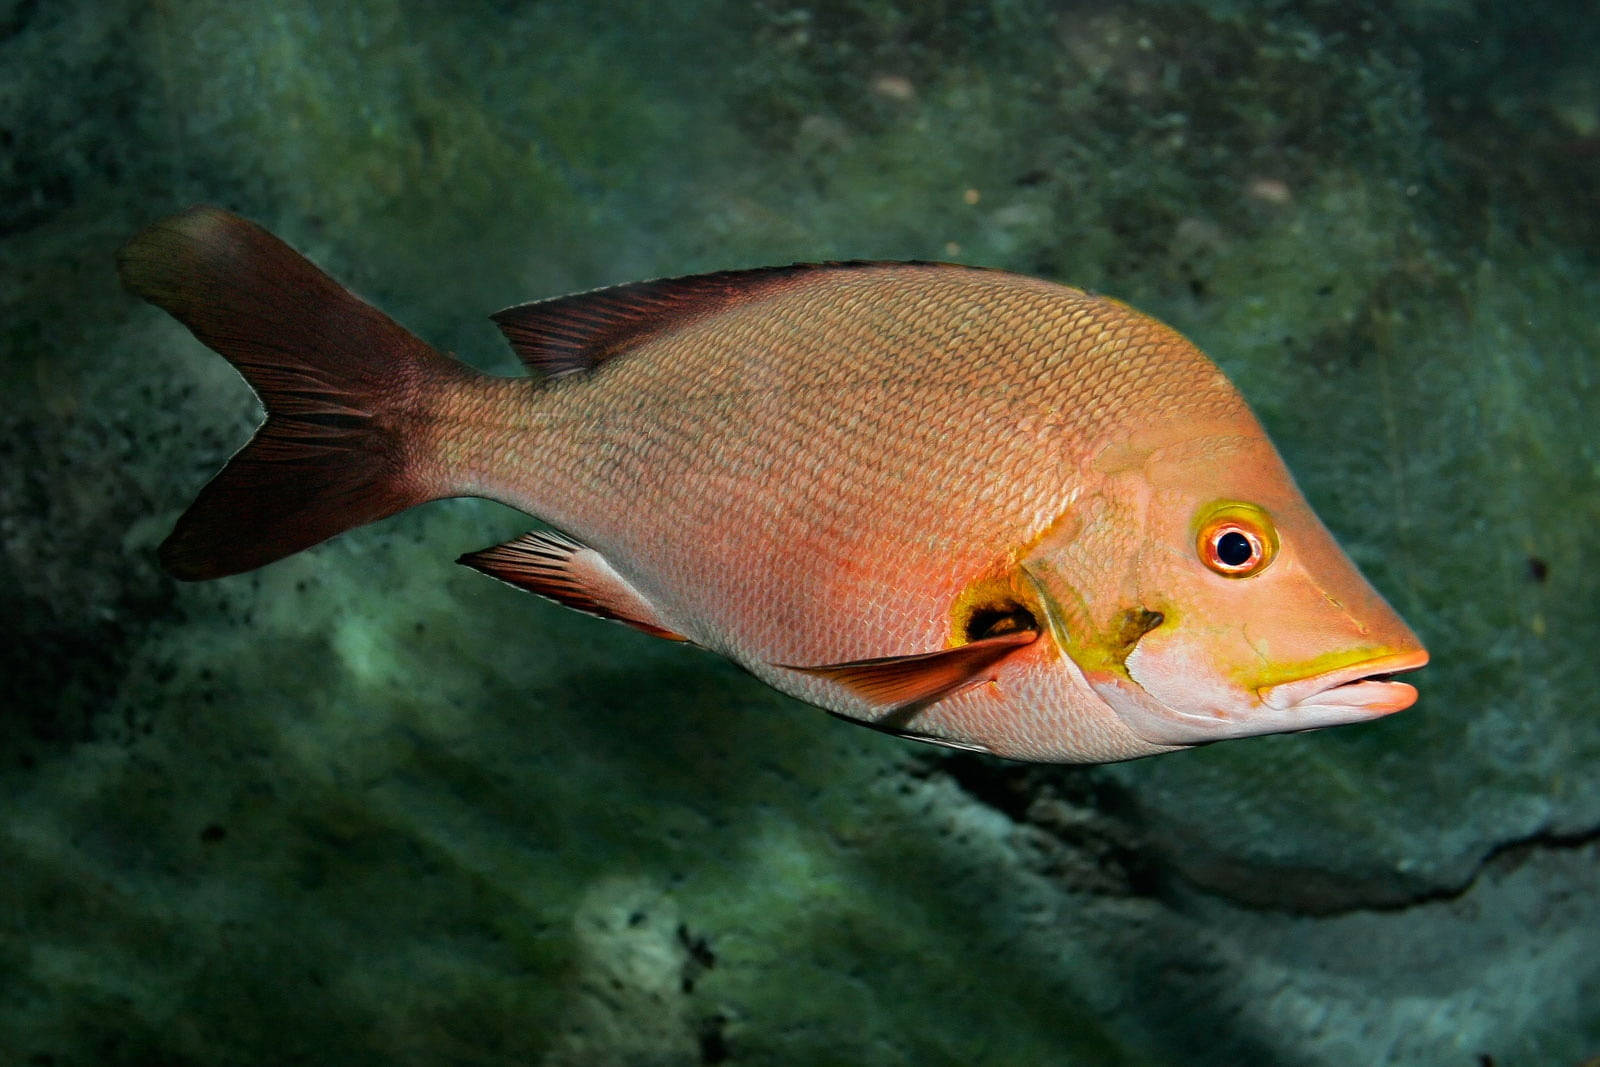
<point x="1355" y="687"/>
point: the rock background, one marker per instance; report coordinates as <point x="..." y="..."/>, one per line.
<point x="367" y="807"/>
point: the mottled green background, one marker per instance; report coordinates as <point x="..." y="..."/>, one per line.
<point x="367" y="807"/>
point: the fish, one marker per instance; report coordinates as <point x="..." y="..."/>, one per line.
<point x="951" y="503"/>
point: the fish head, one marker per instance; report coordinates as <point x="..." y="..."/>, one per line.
<point x="1202" y="599"/>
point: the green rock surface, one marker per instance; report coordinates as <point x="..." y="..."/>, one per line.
<point x="364" y="806"/>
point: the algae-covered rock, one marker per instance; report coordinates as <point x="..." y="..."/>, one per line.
<point x="366" y="806"/>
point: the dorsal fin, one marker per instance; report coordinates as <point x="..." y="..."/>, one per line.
<point x="575" y="333"/>
<point x="570" y="573"/>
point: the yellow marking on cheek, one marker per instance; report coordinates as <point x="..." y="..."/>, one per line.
<point x="1126" y="629"/>
<point x="1096" y="650"/>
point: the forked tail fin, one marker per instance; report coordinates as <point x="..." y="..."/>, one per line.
<point x="346" y="390"/>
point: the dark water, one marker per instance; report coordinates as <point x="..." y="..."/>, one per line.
<point x="366" y="807"/>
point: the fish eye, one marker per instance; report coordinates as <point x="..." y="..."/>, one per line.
<point x="1234" y="548"/>
<point x="1235" y="540"/>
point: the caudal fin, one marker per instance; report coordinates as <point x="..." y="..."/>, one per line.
<point x="344" y="385"/>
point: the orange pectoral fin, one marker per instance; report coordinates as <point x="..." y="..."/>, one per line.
<point x="557" y="567"/>
<point x="910" y="683"/>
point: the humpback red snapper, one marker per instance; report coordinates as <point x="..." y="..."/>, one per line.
<point x="953" y="503"/>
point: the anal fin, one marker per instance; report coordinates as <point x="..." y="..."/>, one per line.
<point x="570" y="573"/>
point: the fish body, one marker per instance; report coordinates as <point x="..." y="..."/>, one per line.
<point x="968" y="506"/>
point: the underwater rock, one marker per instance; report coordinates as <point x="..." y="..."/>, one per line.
<point x="364" y="807"/>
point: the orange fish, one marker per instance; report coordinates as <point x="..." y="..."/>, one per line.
<point x="956" y="504"/>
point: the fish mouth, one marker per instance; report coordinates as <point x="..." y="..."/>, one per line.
<point x="1360" y="691"/>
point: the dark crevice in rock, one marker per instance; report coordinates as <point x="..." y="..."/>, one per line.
<point x="712" y="1039"/>
<point x="1085" y="832"/>
<point x="1505" y="856"/>
<point x="1005" y="787"/>
<point x="1324" y="892"/>
<point x="698" y="957"/>
<point x="1076" y="827"/>
<point x="81" y="604"/>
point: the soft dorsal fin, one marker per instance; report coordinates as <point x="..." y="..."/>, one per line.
<point x="579" y="332"/>
<point x="554" y="566"/>
<point x="910" y="683"/>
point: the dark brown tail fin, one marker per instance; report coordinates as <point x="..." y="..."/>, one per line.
<point x="340" y="380"/>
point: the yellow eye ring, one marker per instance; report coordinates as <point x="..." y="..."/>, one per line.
<point x="1235" y="540"/>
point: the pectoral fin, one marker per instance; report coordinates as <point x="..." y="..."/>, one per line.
<point x="570" y="573"/>
<point x="910" y="683"/>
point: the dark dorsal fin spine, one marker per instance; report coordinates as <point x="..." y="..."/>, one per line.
<point x="579" y="332"/>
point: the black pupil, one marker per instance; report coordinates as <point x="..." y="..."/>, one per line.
<point x="1233" y="549"/>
